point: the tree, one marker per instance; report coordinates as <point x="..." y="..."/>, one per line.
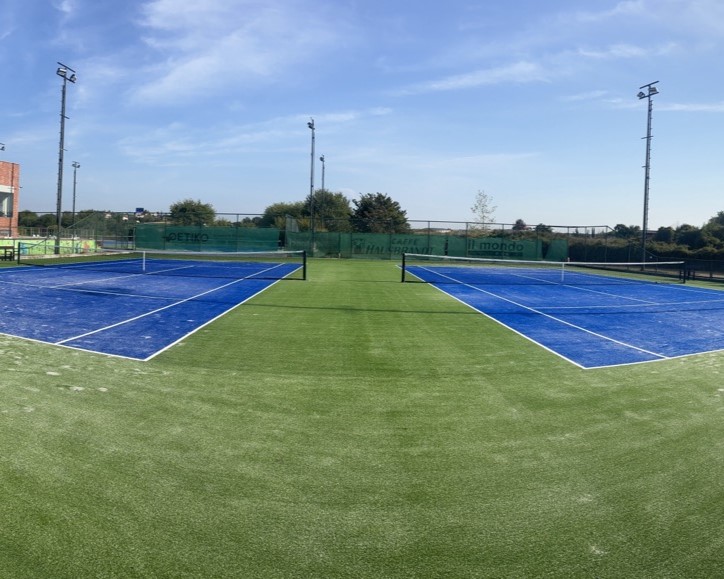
<point x="276" y="213"/>
<point x="378" y="213"/>
<point x="664" y="234"/>
<point x="715" y="227"/>
<point x="190" y="212"/>
<point x="248" y="222"/>
<point x="520" y="225"/>
<point x="27" y="218"/>
<point x="542" y="228"/>
<point x="627" y="231"/>
<point x="483" y="208"/>
<point x="47" y="220"/>
<point x="331" y="210"/>
<point x="718" y="219"/>
<point x="690" y="235"/>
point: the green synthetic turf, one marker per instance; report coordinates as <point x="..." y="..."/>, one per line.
<point x="354" y="426"/>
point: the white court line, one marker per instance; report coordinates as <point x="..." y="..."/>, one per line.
<point x="174" y="304"/>
<point x="115" y="277"/>
<point x="645" y="304"/>
<point x="535" y="311"/>
<point x="133" y="319"/>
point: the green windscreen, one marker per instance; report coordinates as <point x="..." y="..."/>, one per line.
<point x="200" y="238"/>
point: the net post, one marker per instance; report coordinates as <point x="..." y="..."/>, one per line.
<point x="17" y="252"/>
<point x="304" y="264"/>
<point x="403" y="268"/>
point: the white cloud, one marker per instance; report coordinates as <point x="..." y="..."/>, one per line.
<point x="585" y="96"/>
<point x="625" y="8"/>
<point x="175" y="143"/>
<point x="205" y="46"/>
<point x="67" y="7"/>
<point x="692" y="107"/>
<point x="623" y="50"/>
<point x="519" y="72"/>
<point x="700" y="16"/>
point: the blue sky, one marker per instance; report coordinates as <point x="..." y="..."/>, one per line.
<point x="532" y="102"/>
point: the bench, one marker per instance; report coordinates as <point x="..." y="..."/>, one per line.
<point x="7" y="252"/>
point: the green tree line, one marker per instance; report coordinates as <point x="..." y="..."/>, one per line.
<point x="371" y="213"/>
<point x="328" y="211"/>
<point x="623" y="242"/>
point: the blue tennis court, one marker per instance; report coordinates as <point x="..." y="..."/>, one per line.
<point x="589" y="319"/>
<point x="132" y="308"/>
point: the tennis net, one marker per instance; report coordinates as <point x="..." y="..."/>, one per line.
<point x="228" y="265"/>
<point x="470" y="270"/>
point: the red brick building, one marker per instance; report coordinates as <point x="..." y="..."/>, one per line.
<point x="9" y="194"/>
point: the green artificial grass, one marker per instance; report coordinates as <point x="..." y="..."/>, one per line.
<point x="354" y="426"/>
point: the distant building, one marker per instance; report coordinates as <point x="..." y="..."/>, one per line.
<point x="9" y="194"/>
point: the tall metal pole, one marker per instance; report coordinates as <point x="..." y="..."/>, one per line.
<point x="651" y="91"/>
<point x="76" y="166"/>
<point x="68" y="74"/>
<point x="322" y="159"/>
<point x="310" y="124"/>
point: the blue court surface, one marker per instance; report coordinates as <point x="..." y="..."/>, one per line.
<point x="590" y="320"/>
<point x="126" y="309"/>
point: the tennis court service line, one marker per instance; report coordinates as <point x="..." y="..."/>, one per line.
<point x="611" y="294"/>
<point x="111" y="278"/>
<point x="141" y="316"/>
<point x="535" y="311"/>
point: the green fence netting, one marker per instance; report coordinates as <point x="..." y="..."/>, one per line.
<point x="201" y="238"/>
<point x="393" y="245"/>
<point x="344" y="244"/>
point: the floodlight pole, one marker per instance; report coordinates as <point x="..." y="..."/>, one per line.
<point x="68" y="75"/>
<point x="76" y="166"/>
<point x="322" y="159"/>
<point x="310" y="124"/>
<point x="651" y="90"/>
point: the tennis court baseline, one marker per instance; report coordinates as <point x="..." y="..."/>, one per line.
<point x="592" y="320"/>
<point x="132" y="306"/>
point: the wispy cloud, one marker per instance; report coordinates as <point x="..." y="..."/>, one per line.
<point x="702" y="16"/>
<point x="692" y="107"/>
<point x="625" y="8"/>
<point x="623" y="51"/>
<point x="205" y="46"/>
<point x="174" y="143"/>
<point x="67" y="7"/>
<point x="518" y="72"/>
<point x="585" y="96"/>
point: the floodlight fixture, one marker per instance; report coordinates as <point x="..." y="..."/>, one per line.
<point x="651" y="90"/>
<point x="310" y="124"/>
<point x="62" y="72"/>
